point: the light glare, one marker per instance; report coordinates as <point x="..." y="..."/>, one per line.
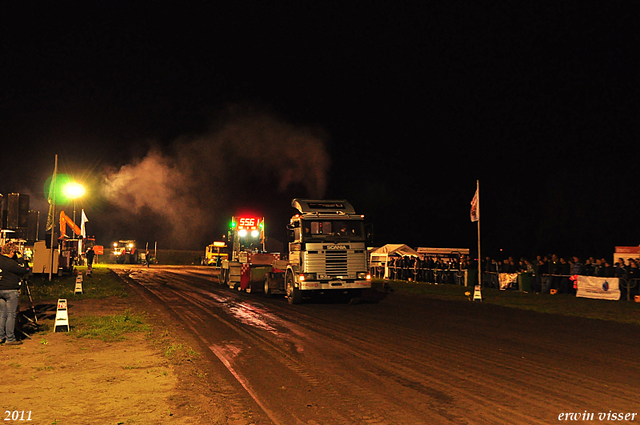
<point x="74" y="190"/>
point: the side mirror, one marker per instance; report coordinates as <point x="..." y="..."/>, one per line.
<point x="368" y="231"/>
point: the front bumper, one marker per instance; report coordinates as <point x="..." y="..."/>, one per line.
<point x="334" y="284"/>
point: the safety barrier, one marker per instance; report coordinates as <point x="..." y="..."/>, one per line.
<point x="523" y="281"/>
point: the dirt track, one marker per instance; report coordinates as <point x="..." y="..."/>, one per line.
<point x="399" y="360"/>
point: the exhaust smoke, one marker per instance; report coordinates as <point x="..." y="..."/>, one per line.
<point x="181" y="191"/>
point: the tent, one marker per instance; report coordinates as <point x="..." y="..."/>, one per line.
<point x="380" y="257"/>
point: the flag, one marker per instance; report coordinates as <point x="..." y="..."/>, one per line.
<point x="475" y="207"/>
<point x="52" y="199"/>
<point x="84" y="220"/>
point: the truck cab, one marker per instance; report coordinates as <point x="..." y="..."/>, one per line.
<point x="327" y="249"/>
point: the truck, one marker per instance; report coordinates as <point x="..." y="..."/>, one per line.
<point x="215" y="253"/>
<point x="326" y="254"/>
<point x="247" y="261"/>
<point x="125" y="251"/>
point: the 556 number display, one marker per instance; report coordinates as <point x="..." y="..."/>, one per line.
<point x="17" y="415"/>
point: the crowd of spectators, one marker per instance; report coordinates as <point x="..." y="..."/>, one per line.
<point x="546" y="272"/>
<point x="427" y="269"/>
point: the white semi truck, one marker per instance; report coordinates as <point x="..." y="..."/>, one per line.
<point x="327" y="252"/>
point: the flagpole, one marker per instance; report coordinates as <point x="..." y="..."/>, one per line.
<point x="479" y="255"/>
<point x="52" y="215"/>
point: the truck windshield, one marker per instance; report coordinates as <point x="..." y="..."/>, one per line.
<point x="332" y="229"/>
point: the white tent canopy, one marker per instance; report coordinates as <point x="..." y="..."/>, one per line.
<point x="399" y="249"/>
<point x="380" y="256"/>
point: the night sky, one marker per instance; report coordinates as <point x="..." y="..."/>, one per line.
<point x="177" y="117"/>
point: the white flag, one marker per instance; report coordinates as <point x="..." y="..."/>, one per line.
<point x="51" y="220"/>
<point x="475" y="207"/>
<point x="82" y="228"/>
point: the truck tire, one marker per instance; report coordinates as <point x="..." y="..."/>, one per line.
<point x="267" y="290"/>
<point x="294" y="295"/>
<point x="222" y="279"/>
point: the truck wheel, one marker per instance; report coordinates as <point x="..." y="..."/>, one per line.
<point x="222" y="279"/>
<point x="294" y="296"/>
<point x="267" y="290"/>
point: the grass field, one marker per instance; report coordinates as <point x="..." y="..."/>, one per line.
<point x="617" y="311"/>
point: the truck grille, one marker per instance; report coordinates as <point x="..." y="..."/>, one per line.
<point x="337" y="263"/>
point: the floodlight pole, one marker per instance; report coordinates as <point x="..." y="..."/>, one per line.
<point x="479" y="255"/>
<point x="53" y="215"/>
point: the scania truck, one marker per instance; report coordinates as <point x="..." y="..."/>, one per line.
<point x="327" y="252"/>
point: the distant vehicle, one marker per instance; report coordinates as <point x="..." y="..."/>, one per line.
<point x="126" y="252"/>
<point x="215" y="253"/>
<point x="66" y="255"/>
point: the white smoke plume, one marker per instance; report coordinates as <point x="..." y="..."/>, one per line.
<point x="247" y="153"/>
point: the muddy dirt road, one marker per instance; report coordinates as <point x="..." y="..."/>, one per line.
<point x="399" y="360"/>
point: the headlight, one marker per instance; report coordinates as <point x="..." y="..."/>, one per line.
<point x="364" y="275"/>
<point x="307" y="276"/>
<point x="255" y="234"/>
<point x="242" y="233"/>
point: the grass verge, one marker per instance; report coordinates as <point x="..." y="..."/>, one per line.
<point x="568" y="305"/>
<point x="102" y="284"/>
<point x="111" y="327"/>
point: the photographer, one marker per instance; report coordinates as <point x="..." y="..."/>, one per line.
<point x="10" y="273"/>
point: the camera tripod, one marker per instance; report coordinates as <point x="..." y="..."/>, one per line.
<point x="24" y="283"/>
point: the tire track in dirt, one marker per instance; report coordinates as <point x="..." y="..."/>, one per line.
<point x="395" y="363"/>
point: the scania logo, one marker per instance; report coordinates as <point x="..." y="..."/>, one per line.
<point x="336" y="247"/>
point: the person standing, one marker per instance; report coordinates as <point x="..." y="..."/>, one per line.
<point x="90" y="254"/>
<point x="10" y="273"/>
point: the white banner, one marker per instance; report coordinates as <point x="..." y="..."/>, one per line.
<point x="507" y="280"/>
<point x="603" y="288"/>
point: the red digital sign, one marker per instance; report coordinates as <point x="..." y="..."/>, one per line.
<point x="248" y="223"/>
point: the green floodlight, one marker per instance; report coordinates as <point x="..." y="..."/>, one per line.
<point x="56" y="190"/>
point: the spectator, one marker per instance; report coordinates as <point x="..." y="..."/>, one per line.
<point x="607" y="270"/>
<point x="588" y="268"/>
<point x="633" y="274"/>
<point x="576" y="269"/>
<point x="10" y="280"/>
<point x="90" y="255"/>
<point x="565" y="283"/>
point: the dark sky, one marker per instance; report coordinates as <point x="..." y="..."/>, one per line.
<point x="398" y="107"/>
